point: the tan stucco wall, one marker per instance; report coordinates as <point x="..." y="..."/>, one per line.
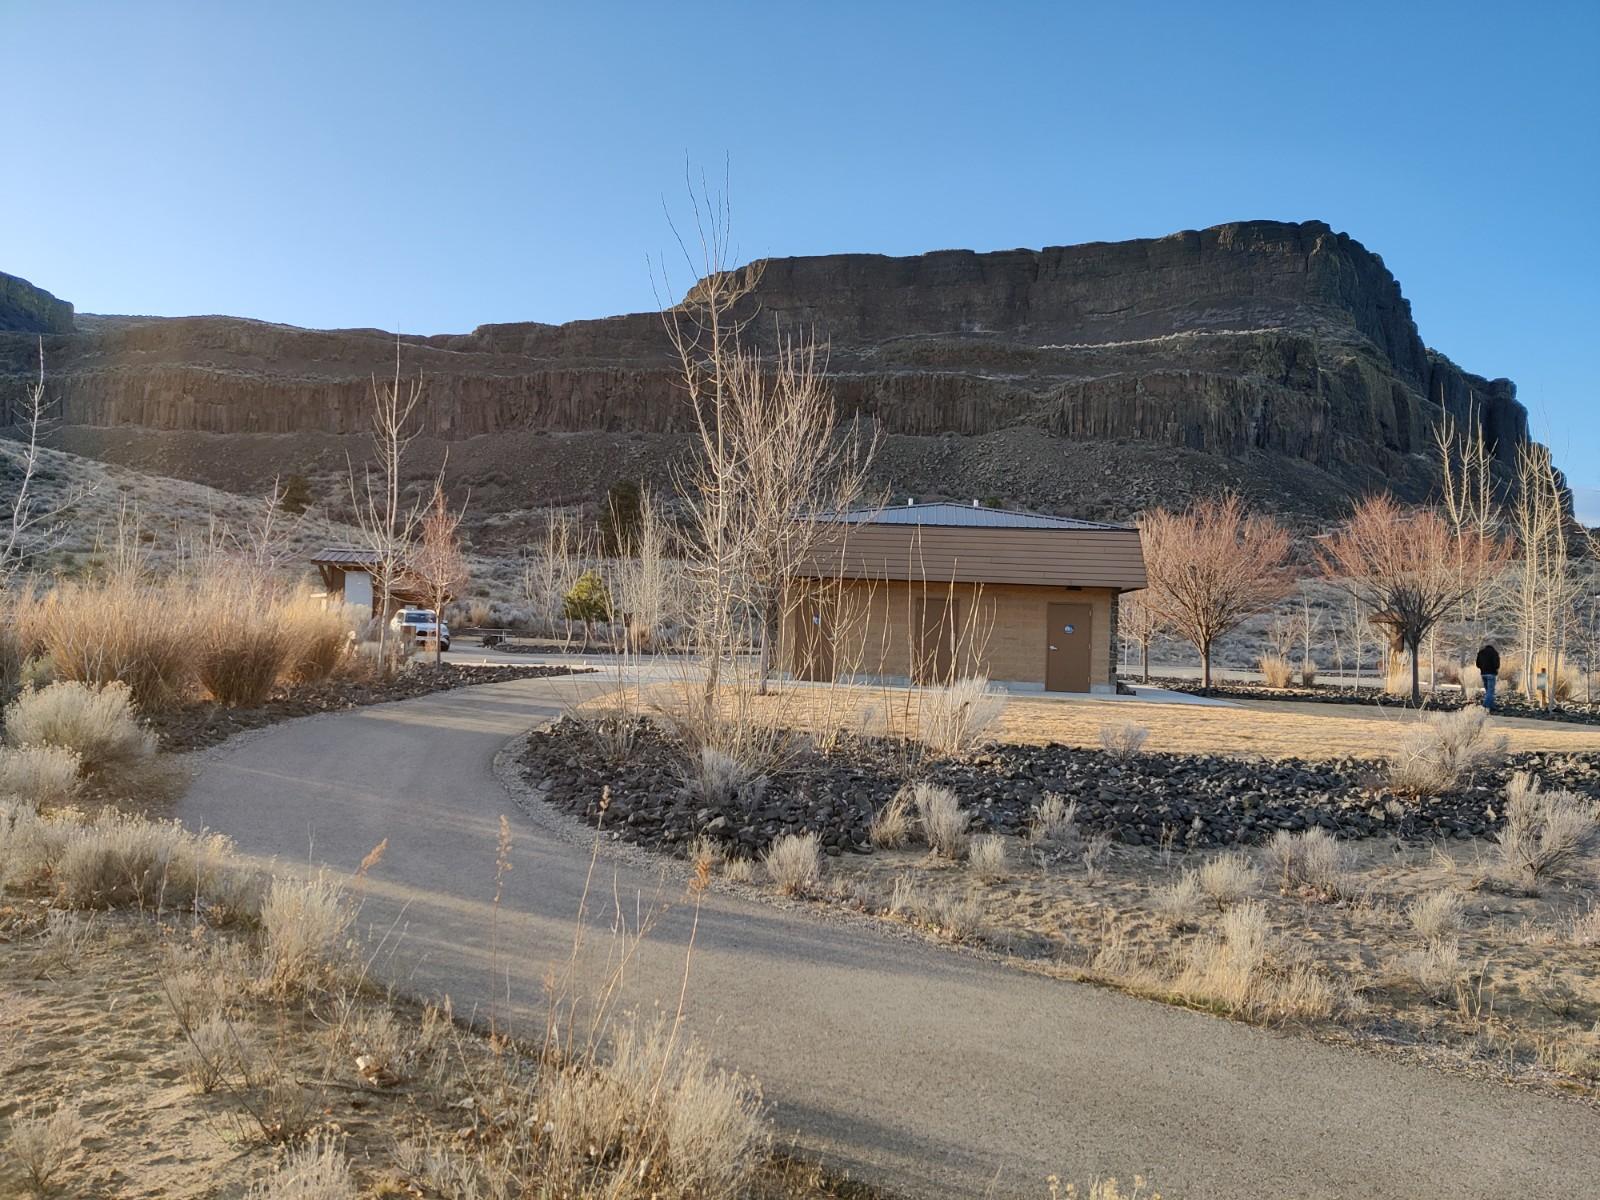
<point x="1001" y="634"/>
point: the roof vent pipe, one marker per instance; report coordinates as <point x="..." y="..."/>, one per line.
<point x="975" y="504"/>
<point x="910" y="500"/>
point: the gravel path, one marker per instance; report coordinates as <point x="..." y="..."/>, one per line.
<point x="932" y="1072"/>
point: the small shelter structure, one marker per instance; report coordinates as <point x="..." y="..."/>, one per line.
<point x="929" y="593"/>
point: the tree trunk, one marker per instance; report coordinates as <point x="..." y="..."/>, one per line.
<point x="1145" y="648"/>
<point x="769" y="629"/>
<point x="1416" y="672"/>
<point x="1205" y="665"/>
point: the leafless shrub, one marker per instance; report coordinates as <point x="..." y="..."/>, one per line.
<point x="306" y="924"/>
<point x="1311" y="862"/>
<point x="952" y="720"/>
<point x="944" y="822"/>
<point x="1178" y="903"/>
<point x="46" y="776"/>
<point x="1226" y="879"/>
<point x="96" y="721"/>
<point x="315" y="1170"/>
<point x="44" y="1145"/>
<point x="1125" y="739"/>
<point x="213" y="1050"/>
<point x="1276" y="670"/>
<point x="793" y="863"/>
<point x="1436" y="916"/>
<point x="1308" y="673"/>
<point x="1544" y="831"/>
<point x="29" y="845"/>
<point x="1436" y="755"/>
<point x="891" y="825"/>
<point x="987" y="859"/>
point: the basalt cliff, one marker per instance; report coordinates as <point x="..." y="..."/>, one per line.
<point x="1278" y="359"/>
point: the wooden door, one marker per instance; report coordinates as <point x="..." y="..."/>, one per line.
<point x="936" y="640"/>
<point x="1069" y="632"/>
<point x="813" y="640"/>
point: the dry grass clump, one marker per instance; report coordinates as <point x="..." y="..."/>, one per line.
<point x="44" y="1145"/>
<point x="320" y="638"/>
<point x="1178" y="903"/>
<point x="794" y="863"/>
<point x="95" y="721"/>
<point x="315" y="1170"/>
<point x="1124" y="739"/>
<point x="890" y="828"/>
<point x="1276" y="670"/>
<point x="727" y="754"/>
<point x="1436" y="915"/>
<point x="214" y="1049"/>
<point x="987" y="859"/>
<point x="944" y="822"/>
<point x="305" y="925"/>
<point x="45" y="776"/>
<point x="13" y="660"/>
<point x="955" y="917"/>
<point x="1544" y="831"/>
<point x="1310" y="863"/>
<point x="952" y="720"/>
<point x="1240" y="969"/>
<point x="1226" y="879"/>
<point x="719" y="780"/>
<point x="118" y="859"/>
<point x="1054" y="825"/>
<point x="1584" y="929"/>
<point x="240" y="646"/>
<point x="1438" y="754"/>
<point x="121" y="629"/>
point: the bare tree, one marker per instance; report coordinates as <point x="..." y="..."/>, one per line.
<point x="646" y="581"/>
<point x="1139" y="623"/>
<point x="437" y="564"/>
<point x="1471" y="502"/>
<point x="1210" y="567"/>
<point x="770" y="452"/>
<point x="1408" y="568"/>
<point x="31" y="528"/>
<point x="552" y="566"/>
<point x="387" y="524"/>
<point x="1546" y="588"/>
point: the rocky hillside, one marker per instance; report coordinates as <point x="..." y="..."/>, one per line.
<point x="1281" y="359"/>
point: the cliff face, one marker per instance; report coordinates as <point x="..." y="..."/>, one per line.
<point x="1265" y="343"/>
<point x="27" y="309"/>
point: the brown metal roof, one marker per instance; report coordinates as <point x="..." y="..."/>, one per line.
<point x="1104" y="556"/>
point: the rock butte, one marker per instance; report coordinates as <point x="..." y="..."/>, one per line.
<point x="1281" y="359"/>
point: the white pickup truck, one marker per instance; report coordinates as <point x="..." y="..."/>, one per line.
<point x="424" y="623"/>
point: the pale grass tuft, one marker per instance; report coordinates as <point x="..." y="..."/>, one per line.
<point x="44" y="1145"/>
<point x="1311" y="862"/>
<point x="719" y="780"/>
<point x="739" y="870"/>
<point x="956" y="917"/>
<point x="1240" y="970"/>
<point x="1544" y="831"/>
<point x="1277" y="671"/>
<point x="952" y="720"/>
<point x="793" y="863"/>
<point x="987" y="859"/>
<point x="315" y="1170"/>
<point x="1436" y="967"/>
<point x="1436" y="915"/>
<point x="891" y="825"/>
<point x="1584" y="929"/>
<point x="1226" y="880"/>
<point x="240" y="644"/>
<point x="944" y="821"/>
<point x="45" y="776"/>
<point x="1054" y="825"/>
<point x="1123" y="740"/>
<point x="305" y="924"/>
<point x="1178" y="903"/>
<point x="124" y="629"/>
<point x="1440" y="753"/>
<point x="97" y="722"/>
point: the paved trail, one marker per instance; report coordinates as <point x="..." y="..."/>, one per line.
<point x="928" y="1071"/>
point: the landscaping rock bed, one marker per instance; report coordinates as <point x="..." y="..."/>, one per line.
<point x="1572" y="711"/>
<point x="195" y="726"/>
<point x="1186" y="800"/>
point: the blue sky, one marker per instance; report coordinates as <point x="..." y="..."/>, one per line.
<point x="433" y="167"/>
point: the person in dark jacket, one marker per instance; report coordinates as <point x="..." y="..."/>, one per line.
<point x="1489" y="667"/>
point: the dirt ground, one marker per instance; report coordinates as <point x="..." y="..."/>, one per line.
<point x="1517" y="993"/>
<point x="91" y="1005"/>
